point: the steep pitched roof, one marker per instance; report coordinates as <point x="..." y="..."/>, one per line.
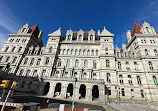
<point x="106" y="33"/>
<point x="136" y="29"/>
<point x="56" y="33"/>
<point x="35" y="30"/>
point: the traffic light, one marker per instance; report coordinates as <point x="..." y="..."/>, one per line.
<point x="4" y="83"/>
<point x="14" y="85"/>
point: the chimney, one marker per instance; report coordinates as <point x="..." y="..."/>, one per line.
<point x="128" y="33"/>
<point x="98" y="32"/>
<point x="123" y="46"/>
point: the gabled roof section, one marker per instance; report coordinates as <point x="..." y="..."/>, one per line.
<point x="56" y="33"/>
<point x="136" y="29"/>
<point x="106" y="33"/>
<point x="34" y="30"/>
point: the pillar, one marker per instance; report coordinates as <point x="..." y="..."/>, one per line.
<point x="63" y="91"/>
<point x="88" y="94"/>
<point x="51" y="90"/>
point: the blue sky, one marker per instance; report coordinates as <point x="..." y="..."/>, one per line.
<point x="116" y="15"/>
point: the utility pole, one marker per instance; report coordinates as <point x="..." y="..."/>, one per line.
<point x="6" y="100"/>
<point x="5" y="84"/>
<point x="74" y="95"/>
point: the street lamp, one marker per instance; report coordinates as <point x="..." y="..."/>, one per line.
<point x="74" y="95"/>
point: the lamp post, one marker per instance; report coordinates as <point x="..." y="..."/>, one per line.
<point x="74" y="95"/>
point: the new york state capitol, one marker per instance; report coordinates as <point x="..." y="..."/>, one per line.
<point x="130" y="72"/>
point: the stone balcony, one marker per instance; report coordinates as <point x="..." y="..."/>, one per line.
<point x="89" y="80"/>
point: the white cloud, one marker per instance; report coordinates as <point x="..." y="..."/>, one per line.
<point x="8" y="23"/>
<point x="3" y="39"/>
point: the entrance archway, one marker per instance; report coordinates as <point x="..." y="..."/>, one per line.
<point x="95" y="92"/>
<point x="82" y="91"/>
<point x="69" y="91"/>
<point x="57" y="89"/>
<point x="46" y="88"/>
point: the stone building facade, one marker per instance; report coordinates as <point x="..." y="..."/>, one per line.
<point x="127" y="73"/>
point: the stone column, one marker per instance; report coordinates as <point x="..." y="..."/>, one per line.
<point x="51" y="90"/>
<point x="77" y="93"/>
<point x="63" y="91"/>
<point x="88" y="94"/>
<point x="101" y="94"/>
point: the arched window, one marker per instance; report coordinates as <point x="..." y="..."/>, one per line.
<point x="34" y="73"/>
<point x="85" y="64"/>
<point x="129" y="79"/>
<point x="13" y="49"/>
<point x="68" y="37"/>
<point x="94" y="64"/>
<point x="19" y="49"/>
<point x="63" y="51"/>
<point x="76" y="52"/>
<point x="146" y="52"/>
<point x="118" y="54"/>
<point x="71" y="51"/>
<point x="119" y="65"/>
<point x="106" y="50"/>
<point x="147" y="30"/>
<point x="155" y="80"/>
<point x="76" y="64"/>
<point x="84" y="75"/>
<point x="127" y="65"/>
<point x="68" y="63"/>
<point x="150" y="65"/>
<point x="92" y="53"/>
<point x="14" y="59"/>
<point x="21" y="72"/>
<point x="38" y="61"/>
<point x="47" y="60"/>
<point x="25" y="62"/>
<point x="91" y="37"/>
<point x="68" y="52"/>
<point x="142" y="93"/>
<point x="6" y="49"/>
<point x="57" y="73"/>
<point x="28" y="73"/>
<point x="123" y="92"/>
<point x="121" y="79"/>
<point x="135" y="66"/>
<point x="107" y="63"/>
<point x="75" y="75"/>
<point x="43" y="72"/>
<point x="50" y="49"/>
<point x="32" y="61"/>
<point x="94" y="76"/>
<point x="108" y="77"/>
<point x="7" y="59"/>
<point x="139" y="80"/>
<point x="96" y="52"/>
<point x="59" y="62"/>
<point x="80" y="37"/>
<point x="84" y="52"/>
<point x="66" y="74"/>
<point x="80" y="52"/>
<point x="156" y="52"/>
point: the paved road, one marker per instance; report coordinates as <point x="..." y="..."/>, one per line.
<point x="43" y="101"/>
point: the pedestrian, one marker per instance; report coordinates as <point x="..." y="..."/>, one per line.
<point x="49" y="105"/>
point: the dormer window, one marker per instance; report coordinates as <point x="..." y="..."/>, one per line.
<point x="147" y="29"/>
<point x="68" y="38"/>
<point x="91" y="37"/>
<point x="80" y="36"/>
